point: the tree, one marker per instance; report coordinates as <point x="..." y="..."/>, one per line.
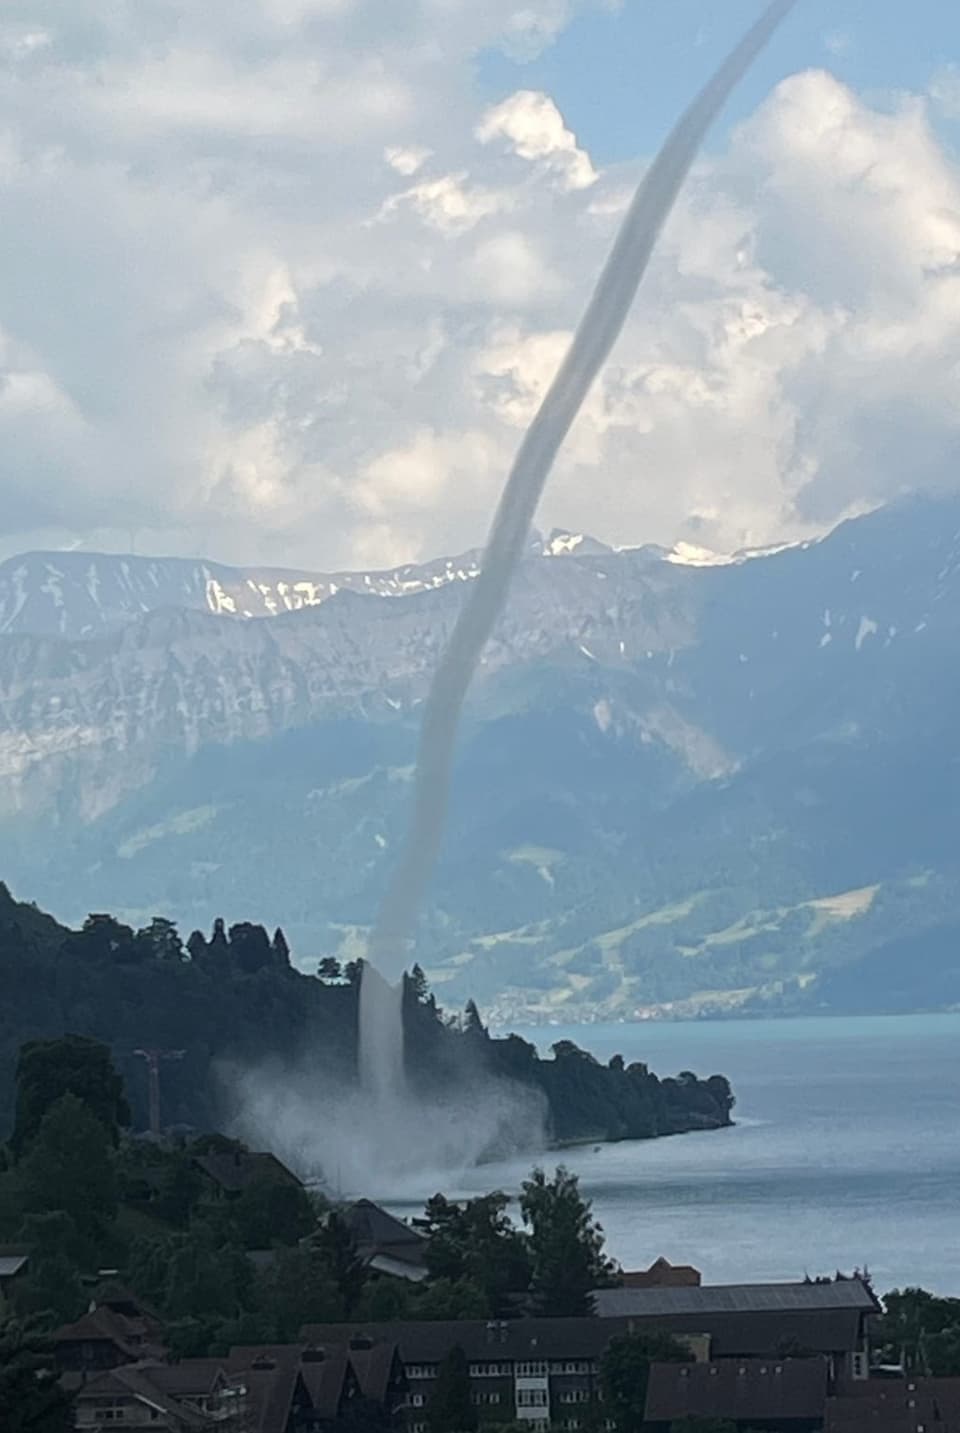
<point x="299" y="1288"/>
<point x="69" y="1166"/>
<point x="476" y="1241"/>
<point x="335" y="1245"/>
<point x="75" y="1065"/>
<point x="272" y="1211"/>
<point x="160" y="940"/>
<point x="250" y="947"/>
<point x="625" y="1374"/>
<point x="329" y="968"/>
<point x="197" y="945"/>
<point x="472" y="1023"/>
<point x="281" y="950"/>
<point x="179" y="1189"/>
<point x="566" y="1245"/>
<point x="219" y="945"/>
<point x="451" y="1409"/>
<point x="50" y="1289"/>
<point x="102" y="940"/>
<point x="942" y="1352"/>
<point x="31" y="1399"/>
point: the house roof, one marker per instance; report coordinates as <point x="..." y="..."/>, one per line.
<point x="846" y="1294"/>
<point x="420" y="1341"/>
<point x="11" y="1263"/>
<point x="374" y="1368"/>
<point x="388" y="1263"/>
<point x="139" y="1383"/>
<point x="236" y="1170"/>
<point x="897" y="1406"/>
<point x="371" y="1225"/>
<point x="662" y="1275"/>
<point x="739" y="1390"/>
<point x="191" y="1376"/>
<point x="131" y="1335"/>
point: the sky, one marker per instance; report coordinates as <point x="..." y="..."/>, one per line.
<point x="283" y="281"/>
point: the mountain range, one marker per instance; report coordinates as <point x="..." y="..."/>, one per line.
<point x="687" y="784"/>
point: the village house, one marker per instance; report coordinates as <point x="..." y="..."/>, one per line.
<point x="255" y="1389"/>
<point x="758" y="1320"/>
<point x="661" y="1275"/>
<point x="385" y="1244"/>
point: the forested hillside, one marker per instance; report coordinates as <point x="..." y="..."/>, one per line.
<point x="236" y="996"/>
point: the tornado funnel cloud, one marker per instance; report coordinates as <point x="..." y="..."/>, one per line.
<point x="598" y="331"/>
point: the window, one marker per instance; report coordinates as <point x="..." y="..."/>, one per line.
<point x="417" y="1400"/>
<point x="421" y="1370"/>
<point x="419" y="1428"/>
<point x="575" y="1395"/>
<point x="531" y="1398"/>
<point x="484" y="1400"/>
<point x="610" y="1425"/>
<point x="491" y="1370"/>
<point x="573" y="1365"/>
<point x="531" y="1370"/>
<point x="571" y="1423"/>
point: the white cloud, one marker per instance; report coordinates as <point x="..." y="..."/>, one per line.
<point x="276" y="288"/>
<point x="534" y="129"/>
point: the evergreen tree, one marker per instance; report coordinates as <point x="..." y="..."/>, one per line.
<point x="250" y="947"/>
<point x="160" y="940"/>
<point x="451" y="1409"/>
<point x="335" y="1244"/>
<point x="281" y="950"/>
<point x="566" y="1245"/>
<point x="329" y="968"/>
<point x="197" y="945"/>
<point x="219" y="945"/>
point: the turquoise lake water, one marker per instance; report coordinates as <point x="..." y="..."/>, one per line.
<point x="846" y="1151"/>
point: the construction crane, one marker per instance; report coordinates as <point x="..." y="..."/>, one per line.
<point x="153" y="1059"/>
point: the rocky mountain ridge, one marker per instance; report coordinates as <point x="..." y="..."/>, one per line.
<point x="677" y="779"/>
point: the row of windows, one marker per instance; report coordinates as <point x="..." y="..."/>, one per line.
<point x="573" y="1423"/>
<point x="532" y="1398"/>
<point x="483" y="1400"/>
<point x="575" y="1395"/>
<point x="539" y="1369"/>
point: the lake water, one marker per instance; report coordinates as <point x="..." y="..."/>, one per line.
<point x="846" y="1151"/>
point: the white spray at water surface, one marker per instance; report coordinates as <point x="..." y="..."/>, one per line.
<point x="591" y="346"/>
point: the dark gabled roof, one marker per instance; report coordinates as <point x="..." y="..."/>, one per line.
<point x="741" y="1391"/>
<point x="235" y="1171"/>
<point x="136" y="1338"/>
<point x="326" y="1379"/>
<point x="897" y="1406"/>
<point x="190" y="1377"/>
<point x="375" y="1368"/>
<point x="372" y="1226"/>
<point x="270" y="1395"/>
<point x="482" y="1341"/>
<point x="735" y="1299"/>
